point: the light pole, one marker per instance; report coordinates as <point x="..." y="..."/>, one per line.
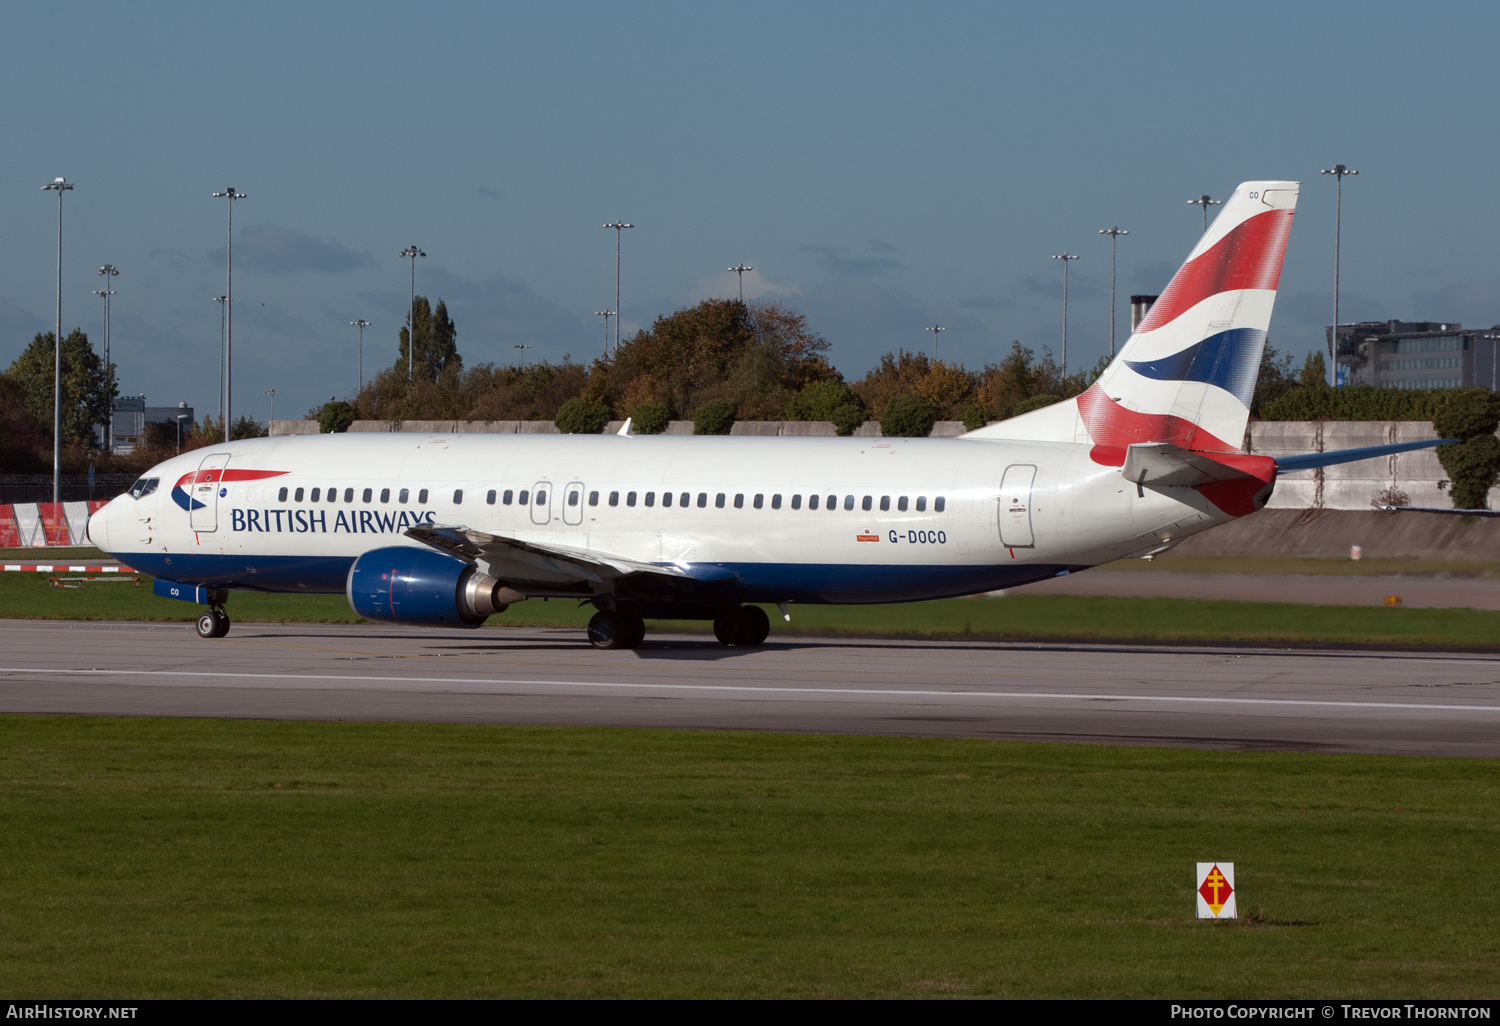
<point x="1204" y="202"/>
<point x="223" y="302"/>
<point x="180" y="418"/>
<point x="740" y="270"/>
<point x="109" y="271"/>
<point x="59" y="186"/>
<point x="231" y="195"/>
<point x="1338" y="171"/>
<point x="363" y="324"/>
<point x="1114" y="237"/>
<point x="1065" y="257"/>
<point x="411" y="332"/>
<point x="619" y="226"/>
<point x="523" y="354"/>
<point x="606" y="314"/>
<point x="273" y="394"/>
<point x="935" y="328"/>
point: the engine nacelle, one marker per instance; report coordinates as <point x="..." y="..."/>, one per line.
<point x="404" y="584"/>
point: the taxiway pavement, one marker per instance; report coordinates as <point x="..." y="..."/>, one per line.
<point x="1208" y="696"/>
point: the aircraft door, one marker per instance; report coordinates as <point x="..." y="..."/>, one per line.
<point x="572" y="500"/>
<point x="204" y="492"/>
<point x="1015" y="506"/>
<point x="541" y="503"/>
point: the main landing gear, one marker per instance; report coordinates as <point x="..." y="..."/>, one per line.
<point x="612" y="629"/>
<point x="214" y="623"/>
<point x="746" y="626"/>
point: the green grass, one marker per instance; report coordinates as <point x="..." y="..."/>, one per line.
<point x="31" y="596"/>
<point x="185" y="858"/>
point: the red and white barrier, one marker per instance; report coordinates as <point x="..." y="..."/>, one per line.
<point x="39" y="524"/>
<point x="44" y="568"/>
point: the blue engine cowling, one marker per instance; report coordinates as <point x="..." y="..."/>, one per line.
<point x="404" y="584"/>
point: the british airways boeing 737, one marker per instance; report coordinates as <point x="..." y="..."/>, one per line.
<point x="447" y="530"/>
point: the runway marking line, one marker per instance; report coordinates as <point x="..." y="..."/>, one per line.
<point x="764" y="689"/>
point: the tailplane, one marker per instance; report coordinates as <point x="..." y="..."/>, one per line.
<point x="1187" y="374"/>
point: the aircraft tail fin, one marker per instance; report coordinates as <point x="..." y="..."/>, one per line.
<point x="1186" y="375"/>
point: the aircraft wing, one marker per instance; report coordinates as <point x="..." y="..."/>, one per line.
<point x="514" y="560"/>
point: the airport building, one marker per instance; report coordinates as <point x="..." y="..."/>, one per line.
<point x="132" y="415"/>
<point x="1416" y="354"/>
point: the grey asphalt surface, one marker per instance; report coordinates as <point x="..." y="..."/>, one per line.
<point x="1417" y="591"/>
<point x="1208" y="696"/>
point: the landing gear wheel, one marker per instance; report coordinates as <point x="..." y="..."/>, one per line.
<point x="746" y="626"/>
<point x="609" y="629"/>
<point x="213" y="624"/>
<point x="754" y="625"/>
<point x="637" y="630"/>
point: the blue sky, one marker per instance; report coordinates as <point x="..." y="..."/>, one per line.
<point x="883" y="166"/>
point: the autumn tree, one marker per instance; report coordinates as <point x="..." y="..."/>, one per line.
<point x="437" y="342"/>
<point x="88" y="387"/>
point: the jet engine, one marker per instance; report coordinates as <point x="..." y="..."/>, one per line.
<point x="405" y="584"/>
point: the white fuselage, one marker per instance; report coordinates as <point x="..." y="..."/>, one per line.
<point x="909" y="518"/>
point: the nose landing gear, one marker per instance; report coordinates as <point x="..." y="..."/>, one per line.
<point x="214" y="623"/>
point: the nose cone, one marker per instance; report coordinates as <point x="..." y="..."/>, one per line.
<point x="97" y="530"/>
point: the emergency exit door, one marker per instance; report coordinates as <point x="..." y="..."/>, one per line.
<point x="1015" y="506"/>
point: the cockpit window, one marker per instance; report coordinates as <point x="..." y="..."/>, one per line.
<point x="144" y="487"/>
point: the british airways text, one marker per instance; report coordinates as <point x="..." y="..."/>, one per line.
<point x="315" y="521"/>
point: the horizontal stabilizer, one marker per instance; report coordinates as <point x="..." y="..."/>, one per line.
<point x="1441" y="509"/>
<point x="1313" y="460"/>
<point x="1164" y="465"/>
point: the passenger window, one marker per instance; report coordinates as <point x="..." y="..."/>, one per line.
<point x="885" y="503"/>
<point x="458" y="497"/>
<point x="666" y="499"/>
<point x="297" y="495"/>
<point x="489" y="498"/>
<point x="719" y="501"/>
<point x="614" y="498"/>
<point x="541" y="497"/>
<point x="921" y="503"/>
<point x="281" y="495"/>
<point x="333" y="495"/>
<point x="630" y="498"/>
<point x="650" y="498"/>
<point x="901" y="504"/>
<point x="682" y="500"/>
<point x="368" y="495"/>
<point x="593" y="498"/>
<point x="776" y="501"/>
<point x="833" y="503"/>
<point x="865" y="504"/>
<point x="521" y="498"/>
<point x="315" y="495"/>
<point x="401" y="496"/>
<point x="760" y="500"/>
<point x="422" y="497"/>
<point x="938" y="504"/>
<point x="573" y="496"/>
<point x="848" y="502"/>
<point x="348" y="494"/>
<point x="385" y="495"/>
<point x="739" y="500"/>
<point x="812" y="502"/>
<point x="796" y="502"/>
<point x="507" y="497"/>
<point x="703" y="500"/>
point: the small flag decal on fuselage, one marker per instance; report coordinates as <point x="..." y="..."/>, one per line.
<point x="867" y="537"/>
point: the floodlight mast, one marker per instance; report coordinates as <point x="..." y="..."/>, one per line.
<point x="108" y="271"/>
<point x="606" y="314"/>
<point x="619" y="226"/>
<point x="935" y="328"/>
<point x="523" y="349"/>
<point x="362" y="324"/>
<point x="59" y="186"/>
<point x="1114" y="234"/>
<point x="1338" y="171"/>
<point x="740" y="270"/>
<point x="231" y="195"/>
<point x="1066" y="258"/>
<point x="223" y="302"/>
<point x="411" y="332"/>
<point x="1204" y="202"/>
